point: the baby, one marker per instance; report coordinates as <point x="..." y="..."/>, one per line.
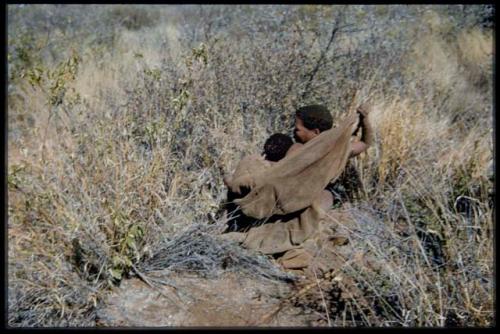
<point x="275" y="149"/>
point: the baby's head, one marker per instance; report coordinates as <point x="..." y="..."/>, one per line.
<point x="276" y="146"/>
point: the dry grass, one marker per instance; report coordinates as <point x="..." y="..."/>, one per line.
<point x="136" y="151"/>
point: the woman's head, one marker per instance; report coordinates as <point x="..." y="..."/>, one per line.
<point x="310" y="121"/>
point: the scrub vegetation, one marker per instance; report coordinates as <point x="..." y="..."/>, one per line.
<point x="123" y="120"/>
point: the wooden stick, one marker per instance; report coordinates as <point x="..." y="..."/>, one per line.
<point x="353" y="101"/>
<point x="146" y="280"/>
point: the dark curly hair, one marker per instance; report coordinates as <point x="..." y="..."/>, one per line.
<point x="315" y="117"/>
<point x="276" y="146"/>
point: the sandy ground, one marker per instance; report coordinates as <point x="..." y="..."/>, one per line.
<point x="229" y="300"/>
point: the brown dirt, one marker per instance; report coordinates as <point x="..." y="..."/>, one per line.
<point x="230" y="300"/>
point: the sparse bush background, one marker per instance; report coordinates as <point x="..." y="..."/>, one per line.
<point x="122" y="120"/>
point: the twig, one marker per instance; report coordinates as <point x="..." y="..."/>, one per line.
<point x="323" y="299"/>
<point x="146" y="280"/>
<point x="316" y="68"/>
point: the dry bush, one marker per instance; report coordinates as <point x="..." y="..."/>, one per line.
<point x="134" y="17"/>
<point x="475" y="51"/>
<point x="416" y="276"/>
<point x="116" y="152"/>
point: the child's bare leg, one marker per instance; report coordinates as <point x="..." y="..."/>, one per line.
<point x="326" y="201"/>
<point x="340" y="237"/>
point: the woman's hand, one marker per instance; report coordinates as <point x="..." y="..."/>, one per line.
<point x="363" y="110"/>
<point x="245" y="181"/>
